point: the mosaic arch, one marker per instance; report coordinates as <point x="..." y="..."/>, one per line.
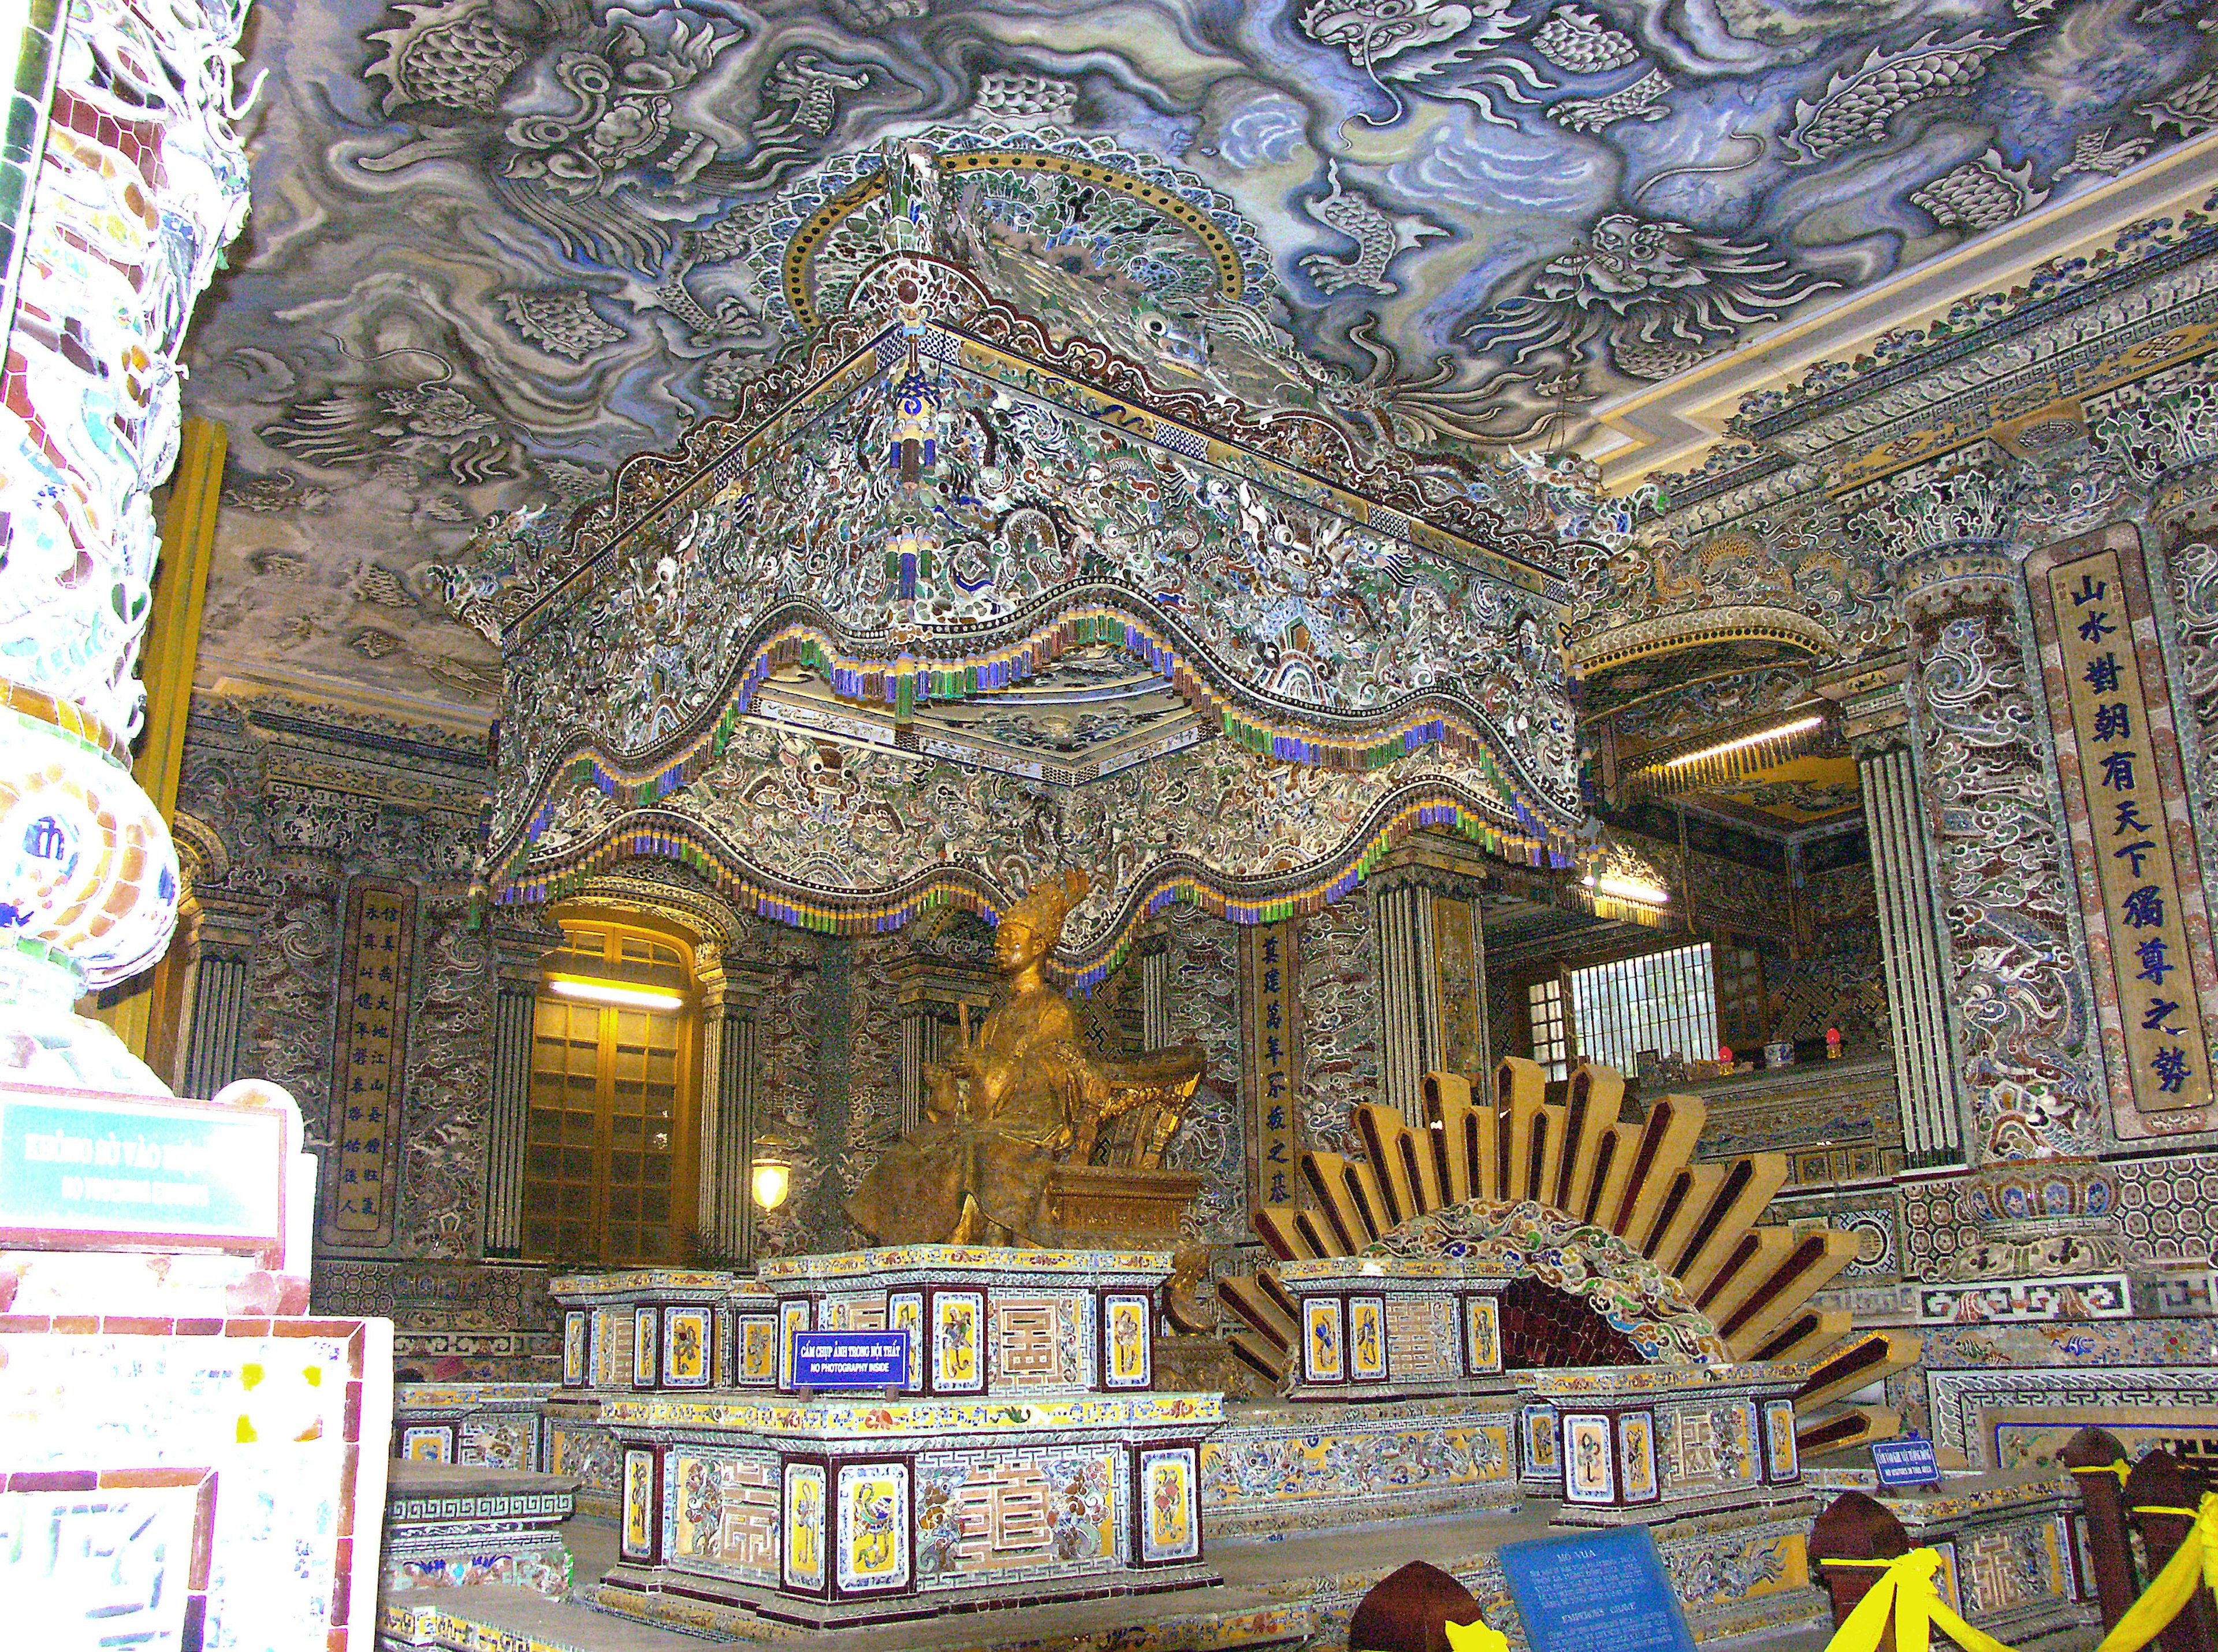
<point x="1528" y="1240"/>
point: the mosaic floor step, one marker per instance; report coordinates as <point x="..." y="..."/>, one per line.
<point x="494" y="1619"/>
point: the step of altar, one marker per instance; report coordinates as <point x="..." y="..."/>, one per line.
<point x="493" y="1618"/>
<point x="1295" y="1590"/>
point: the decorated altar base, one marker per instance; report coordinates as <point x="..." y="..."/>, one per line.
<point x="1023" y="1455"/>
<point x="2013" y="1546"/>
<point x="455" y="1525"/>
<point x="1705" y="1457"/>
<point x="1393" y="1327"/>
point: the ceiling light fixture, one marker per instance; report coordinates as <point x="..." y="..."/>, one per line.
<point x="1624" y="888"/>
<point x="602" y="992"/>
<point x="1779" y="732"/>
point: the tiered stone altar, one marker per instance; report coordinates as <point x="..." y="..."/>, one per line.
<point x="1028" y="1458"/>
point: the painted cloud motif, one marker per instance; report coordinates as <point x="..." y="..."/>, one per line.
<point x="499" y="244"/>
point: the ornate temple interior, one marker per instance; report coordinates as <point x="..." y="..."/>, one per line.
<point x="991" y="823"/>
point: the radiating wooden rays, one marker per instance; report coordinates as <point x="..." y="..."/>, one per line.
<point x="1638" y="1181"/>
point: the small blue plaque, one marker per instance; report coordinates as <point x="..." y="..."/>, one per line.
<point x="827" y="1360"/>
<point x="1595" y="1589"/>
<point x="1905" y="1462"/>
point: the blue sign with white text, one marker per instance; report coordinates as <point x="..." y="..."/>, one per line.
<point x="1906" y="1462"/>
<point x="850" y="1360"/>
<point x="1596" y="1590"/>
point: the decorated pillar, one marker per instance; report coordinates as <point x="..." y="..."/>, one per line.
<point x="732" y="1001"/>
<point x="2027" y="1069"/>
<point x="1431" y="956"/>
<point x="930" y="991"/>
<point x="520" y="942"/>
<point x="1402" y="914"/>
<point x="1154" y="994"/>
<point x="1270" y="1017"/>
<point x="1913" y="950"/>
<point x="214" y="1013"/>
<point x="2140" y="894"/>
<point x="140" y="183"/>
<point x="2132" y="621"/>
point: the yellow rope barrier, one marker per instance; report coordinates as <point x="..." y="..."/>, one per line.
<point x="1476" y="1637"/>
<point x="2120" y="1468"/>
<point x="1905" y="1593"/>
<point x="2194" y="1564"/>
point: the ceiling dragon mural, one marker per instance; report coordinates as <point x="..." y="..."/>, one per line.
<point x="497" y="245"/>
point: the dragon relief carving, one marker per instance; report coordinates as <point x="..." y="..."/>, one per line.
<point x="2021" y="1005"/>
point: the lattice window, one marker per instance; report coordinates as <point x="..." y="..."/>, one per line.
<point x="1552" y="1034"/>
<point x="1743" y="1014"/>
<point x="1663" y="1003"/>
<point x="607" y="1160"/>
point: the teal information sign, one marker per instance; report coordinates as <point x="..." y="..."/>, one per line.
<point x="1595" y="1592"/>
<point x="111" y="1166"/>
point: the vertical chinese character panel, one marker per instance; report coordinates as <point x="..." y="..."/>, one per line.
<point x="1270" y="956"/>
<point x="371" y="1057"/>
<point x="2122" y="786"/>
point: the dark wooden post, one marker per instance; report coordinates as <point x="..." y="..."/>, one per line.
<point x="2097" y="1461"/>
<point x="2158" y="1482"/>
<point x="1856" y="1527"/>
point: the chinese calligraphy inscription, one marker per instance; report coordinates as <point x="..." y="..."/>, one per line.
<point x="1270" y="952"/>
<point x="2167" y="1053"/>
<point x="371" y="1055"/>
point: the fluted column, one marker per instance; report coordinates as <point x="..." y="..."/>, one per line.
<point x="1913" y="950"/>
<point x="1401" y="912"/>
<point x="2027" y="1063"/>
<point x="929" y="990"/>
<point x="519" y="942"/>
<point x="215" y="1013"/>
<point x="1154" y="997"/>
<point x="724" y="1204"/>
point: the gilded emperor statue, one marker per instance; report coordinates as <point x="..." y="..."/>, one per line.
<point x="1023" y="1096"/>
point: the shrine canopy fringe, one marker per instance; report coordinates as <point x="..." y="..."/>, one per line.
<point x="940" y="506"/>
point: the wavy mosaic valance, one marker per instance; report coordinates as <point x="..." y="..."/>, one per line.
<point x="760" y="653"/>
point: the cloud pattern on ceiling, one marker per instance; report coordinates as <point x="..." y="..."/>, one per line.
<point x="499" y="244"/>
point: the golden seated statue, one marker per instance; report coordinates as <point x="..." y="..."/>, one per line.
<point x="1029" y="1138"/>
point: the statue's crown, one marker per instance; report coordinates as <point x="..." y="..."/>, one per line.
<point x="1048" y="901"/>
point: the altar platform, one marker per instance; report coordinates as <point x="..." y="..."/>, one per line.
<point x="1298" y="1590"/>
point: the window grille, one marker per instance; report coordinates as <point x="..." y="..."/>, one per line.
<point x="1662" y="1002"/>
<point x="1551" y="1039"/>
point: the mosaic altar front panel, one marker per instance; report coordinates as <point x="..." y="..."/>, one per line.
<point x="1028" y="1513"/>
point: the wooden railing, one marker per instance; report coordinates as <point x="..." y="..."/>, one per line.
<point x="2136" y="1516"/>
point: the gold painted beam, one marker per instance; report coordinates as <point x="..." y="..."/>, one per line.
<point x="167" y="660"/>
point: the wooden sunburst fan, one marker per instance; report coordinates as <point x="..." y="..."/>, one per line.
<point x="1637" y="1181"/>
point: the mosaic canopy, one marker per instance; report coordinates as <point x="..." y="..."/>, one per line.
<point x="844" y="650"/>
<point x="497" y="245"/>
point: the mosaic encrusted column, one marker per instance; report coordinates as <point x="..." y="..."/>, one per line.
<point x="141" y="184"/>
<point x="2165" y="429"/>
<point x="1913" y="950"/>
<point x="1985" y="774"/>
<point x="1401" y="912"/>
<point x="517" y="949"/>
<point x="724" y="1199"/>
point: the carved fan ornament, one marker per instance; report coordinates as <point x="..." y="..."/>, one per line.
<point x="1615" y="1219"/>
